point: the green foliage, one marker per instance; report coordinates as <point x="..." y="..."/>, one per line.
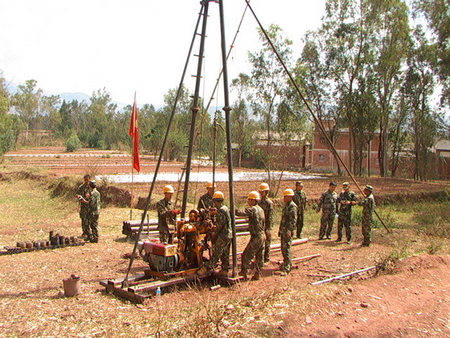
<point x="73" y="142"/>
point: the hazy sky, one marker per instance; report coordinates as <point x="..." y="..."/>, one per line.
<point x="134" y="45"/>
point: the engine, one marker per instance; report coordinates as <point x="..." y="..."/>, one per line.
<point x="192" y="238"/>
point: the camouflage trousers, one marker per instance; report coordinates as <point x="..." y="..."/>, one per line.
<point x="220" y="250"/>
<point x="85" y="224"/>
<point x="164" y="234"/>
<point x="93" y="228"/>
<point x="300" y="217"/>
<point x="267" y="243"/>
<point x="254" y="248"/>
<point x="326" y="224"/>
<point x="286" y="243"/>
<point x="367" y="231"/>
<point x="345" y="221"/>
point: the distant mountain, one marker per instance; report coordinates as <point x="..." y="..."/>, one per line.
<point x="74" y="96"/>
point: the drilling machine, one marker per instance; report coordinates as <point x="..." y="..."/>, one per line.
<point x="193" y="237"/>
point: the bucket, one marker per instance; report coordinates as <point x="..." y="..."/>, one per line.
<point x="71" y="286"/>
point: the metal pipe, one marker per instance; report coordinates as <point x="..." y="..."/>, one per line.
<point x="343" y="276"/>
<point x="195" y="107"/>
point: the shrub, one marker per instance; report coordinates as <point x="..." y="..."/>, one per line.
<point x="73" y="143"/>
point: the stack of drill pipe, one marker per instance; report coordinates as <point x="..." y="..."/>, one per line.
<point x="150" y="228"/>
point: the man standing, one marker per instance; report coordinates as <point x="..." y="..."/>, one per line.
<point x="206" y="200"/>
<point x="327" y="203"/>
<point x="287" y="227"/>
<point x="166" y="214"/>
<point x="300" y="199"/>
<point x="267" y="205"/>
<point x="94" y="211"/>
<point x="255" y="246"/>
<point x="222" y="236"/>
<point x="82" y="191"/>
<point x="368" y="205"/>
<point x="345" y="201"/>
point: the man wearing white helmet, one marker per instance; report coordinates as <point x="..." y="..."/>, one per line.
<point x="267" y="205"/>
<point x="206" y="200"/>
<point x="166" y="214"/>
<point x="255" y="247"/>
<point x="287" y="226"/>
<point x="222" y="238"/>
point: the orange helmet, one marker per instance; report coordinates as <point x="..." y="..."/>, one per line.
<point x="218" y="195"/>
<point x="168" y="188"/>
<point x="264" y="187"/>
<point x="253" y="195"/>
<point x="210" y="185"/>
<point x="288" y="192"/>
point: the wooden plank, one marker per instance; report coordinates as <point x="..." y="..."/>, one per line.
<point x="119" y="281"/>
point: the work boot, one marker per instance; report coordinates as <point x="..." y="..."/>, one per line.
<point x="223" y="272"/>
<point x="283" y="273"/>
<point x="202" y="271"/>
<point x="256" y="276"/>
<point x="339" y="239"/>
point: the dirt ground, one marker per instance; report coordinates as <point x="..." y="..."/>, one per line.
<point x="408" y="299"/>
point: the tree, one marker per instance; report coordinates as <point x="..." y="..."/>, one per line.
<point x="241" y="133"/>
<point x="10" y="125"/>
<point x="437" y="15"/>
<point x="102" y="131"/>
<point x="390" y="41"/>
<point x="268" y="81"/>
<point x="417" y="90"/>
<point x="27" y="103"/>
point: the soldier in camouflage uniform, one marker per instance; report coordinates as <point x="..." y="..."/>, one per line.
<point x="255" y="247"/>
<point x="166" y="214"/>
<point x="267" y="205"/>
<point x="327" y="203"/>
<point x="206" y="200"/>
<point x="222" y="238"/>
<point x="300" y="199"/>
<point x="82" y="191"/>
<point x="368" y="205"/>
<point x="286" y="232"/>
<point x="345" y="201"/>
<point x="94" y="212"/>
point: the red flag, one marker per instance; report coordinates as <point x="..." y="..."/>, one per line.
<point x="134" y="133"/>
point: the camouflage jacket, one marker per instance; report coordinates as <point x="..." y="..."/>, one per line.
<point x="328" y="202"/>
<point x="94" y="202"/>
<point x="267" y="205"/>
<point x="83" y="190"/>
<point x="368" y="205"/>
<point x="205" y="202"/>
<point x="346" y="209"/>
<point x="223" y="222"/>
<point x="288" y="217"/>
<point x="165" y="216"/>
<point x="255" y="216"/>
<point x="300" y="199"/>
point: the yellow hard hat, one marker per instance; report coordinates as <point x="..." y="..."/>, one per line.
<point x="253" y="195"/>
<point x="288" y="192"/>
<point x="210" y="185"/>
<point x="218" y="195"/>
<point x="264" y="187"/>
<point x="168" y="188"/>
